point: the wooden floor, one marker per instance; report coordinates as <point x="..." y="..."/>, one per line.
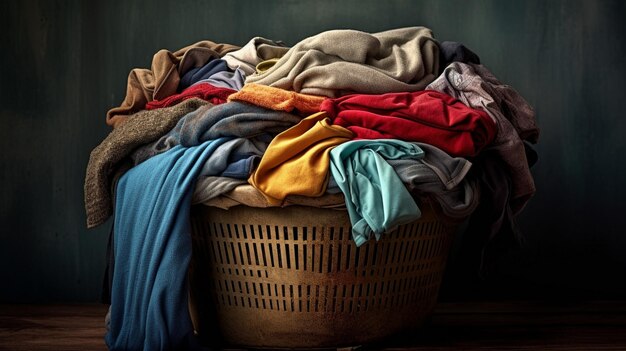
<point x="467" y="326"/>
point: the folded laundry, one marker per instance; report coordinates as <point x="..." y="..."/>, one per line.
<point x="338" y="62"/>
<point x="162" y="79"/>
<point x="426" y="116"/>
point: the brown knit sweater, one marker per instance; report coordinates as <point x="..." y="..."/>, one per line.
<point x="139" y="129"/>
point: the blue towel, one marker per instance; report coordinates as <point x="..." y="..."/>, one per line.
<point x="152" y="247"/>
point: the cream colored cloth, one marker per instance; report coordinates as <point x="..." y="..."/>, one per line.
<point x="257" y="50"/>
<point x="161" y="80"/>
<point x="338" y="62"/>
<point x="247" y="195"/>
<point x="297" y="160"/>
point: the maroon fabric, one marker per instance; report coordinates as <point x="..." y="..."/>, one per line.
<point x="204" y="91"/>
<point x="426" y="116"/>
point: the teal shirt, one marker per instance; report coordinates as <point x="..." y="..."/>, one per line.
<point x="376" y="199"/>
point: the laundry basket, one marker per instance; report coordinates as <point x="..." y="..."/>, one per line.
<point x="293" y="278"/>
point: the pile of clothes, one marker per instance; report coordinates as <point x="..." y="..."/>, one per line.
<point x="387" y="120"/>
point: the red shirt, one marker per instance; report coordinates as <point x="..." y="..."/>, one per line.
<point x="204" y="91"/>
<point x="426" y="116"/>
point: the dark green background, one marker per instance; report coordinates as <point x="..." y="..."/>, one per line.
<point x="65" y="63"/>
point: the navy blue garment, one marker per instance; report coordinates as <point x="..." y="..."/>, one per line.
<point x="197" y="74"/>
<point x="152" y="247"/>
<point x="451" y="51"/>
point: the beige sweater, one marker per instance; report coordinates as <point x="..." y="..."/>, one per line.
<point x="338" y="62"/>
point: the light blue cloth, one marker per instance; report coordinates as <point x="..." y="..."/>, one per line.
<point x="152" y="247"/>
<point x="376" y="199"/>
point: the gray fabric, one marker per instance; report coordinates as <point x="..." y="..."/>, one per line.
<point x="338" y="62"/>
<point x="476" y="87"/>
<point x="442" y="178"/>
<point x="225" y="79"/>
<point x="248" y="195"/>
<point x="233" y="150"/>
<point x="140" y="128"/>
<point x="234" y="119"/>
<point x="211" y="187"/>
<point x="258" y="49"/>
<point x="422" y="181"/>
<point x="450" y="170"/>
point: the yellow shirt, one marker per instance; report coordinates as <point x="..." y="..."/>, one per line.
<point x="297" y="160"/>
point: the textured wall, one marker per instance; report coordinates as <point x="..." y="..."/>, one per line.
<point x="65" y="63"/>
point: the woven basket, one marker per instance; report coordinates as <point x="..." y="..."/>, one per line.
<point x="293" y="278"/>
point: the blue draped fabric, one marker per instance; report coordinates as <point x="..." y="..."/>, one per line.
<point x="152" y="247"/>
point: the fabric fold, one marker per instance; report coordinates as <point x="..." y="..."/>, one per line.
<point x="197" y="74"/>
<point x="376" y="199"/>
<point x="162" y="79"/>
<point x="476" y="87"/>
<point x="278" y="99"/>
<point x="452" y="51"/>
<point x="442" y="178"/>
<point x="339" y="62"/>
<point x="152" y="247"/>
<point x="205" y="91"/>
<point x="257" y="50"/>
<point x="426" y="116"/>
<point x="226" y="79"/>
<point x="297" y="160"/>
<point x="141" y="128"/>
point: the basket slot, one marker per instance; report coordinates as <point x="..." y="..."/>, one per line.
<point x="288" y="255"/>
<point x="233" y="254"/>
<point x="349" y="256"/>
<point x="279" y="256"/>
<point x="241" y="258"/>
<point x="256" y="254"/>
<point x="276" y="233"/>
<point x="366" y="257"/>
<point x="270" y="251"/>
<point x="247" y="256"/>
<point x="304" y="257"/>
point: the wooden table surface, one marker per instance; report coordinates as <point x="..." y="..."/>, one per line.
<point x="454" y="326"/>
